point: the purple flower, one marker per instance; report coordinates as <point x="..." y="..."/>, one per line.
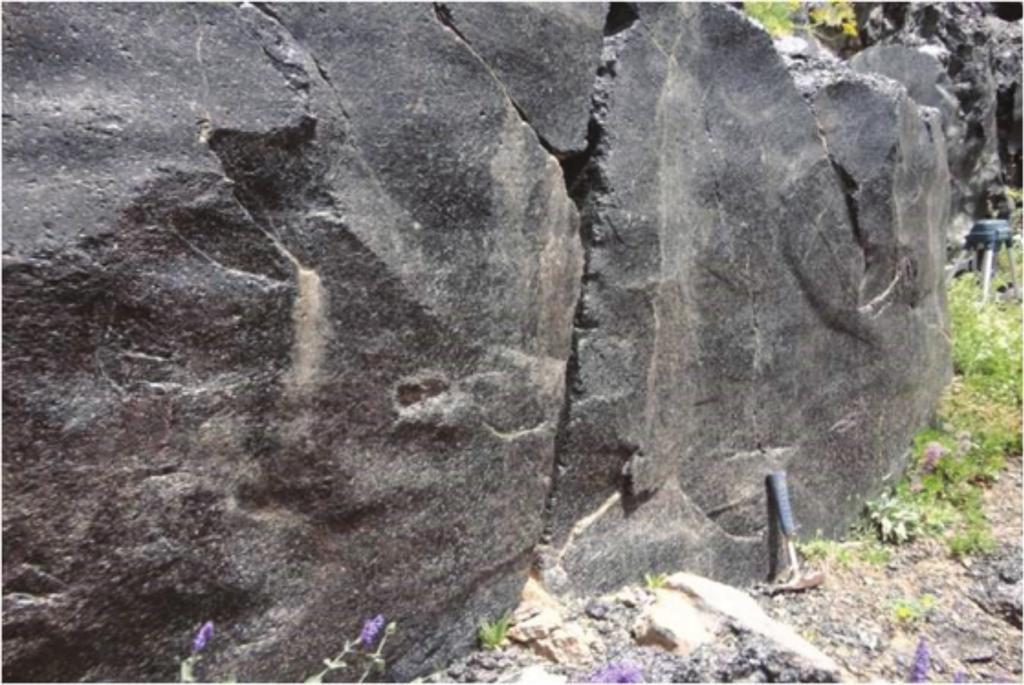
<point x="202" y="637"/>
<point x="619" y="672"/>
<point x="959" y="677"/>
<point x="933" y="451"/>
<point x="921" y="663"/>
<point x="371" y="629"/>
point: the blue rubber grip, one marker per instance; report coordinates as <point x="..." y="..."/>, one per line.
<point x="777" y="481"/>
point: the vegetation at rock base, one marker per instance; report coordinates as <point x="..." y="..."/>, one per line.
<point x="978" y="424"/>
<point x="833" y="18"/>
<point x="907" y="611"/>
<point x="494" y="634"/>
<point x="653" y="581"/>
<point x="844" y="553"/>
<point x="776" y="17"/>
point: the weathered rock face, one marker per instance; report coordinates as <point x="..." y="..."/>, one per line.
<point x="964" y="59"/>
<point x="290" y="366"/>
<point x="292" y="295"/>
<point x="762" y="291"/>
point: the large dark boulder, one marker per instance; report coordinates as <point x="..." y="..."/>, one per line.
<point x="763" y="290"/>
<point x="287" y="306"/>
<point x="299" y="327"/>
<point x="965" y="59"/>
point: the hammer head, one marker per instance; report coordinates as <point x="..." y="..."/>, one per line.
<point x="799" y="581"/>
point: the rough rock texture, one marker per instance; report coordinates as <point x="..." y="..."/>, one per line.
<point x="738" y="654"/>
<point x="298" y="325"/>
<point x="965" y="59"/>
<point x="287" y="306"/>
<point x="1000" y="590"/>
<point x="762" y="291"/>
<point x="545" y="54"/>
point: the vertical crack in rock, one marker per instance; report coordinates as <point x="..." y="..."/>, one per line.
<point x="444" y="16"/>
<point x="586" y="183"/>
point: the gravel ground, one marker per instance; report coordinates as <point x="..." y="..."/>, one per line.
<point x="973" y="627"/>
<point x="972" y="624"/>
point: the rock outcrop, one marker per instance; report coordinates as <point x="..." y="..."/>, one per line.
<point x="762" y="291"/>
<point x="299" y="327"/>
<point x="287" y="306"/>
<point x="965" y="60"/>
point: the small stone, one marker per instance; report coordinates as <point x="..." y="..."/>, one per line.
<point x="538" y="674"/>
<point x="673" y="622"/>
<point x="597" y="609"/>
<point x="979" y="655"/>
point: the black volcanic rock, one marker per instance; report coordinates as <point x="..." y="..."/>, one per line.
<point x="299" y="328"/>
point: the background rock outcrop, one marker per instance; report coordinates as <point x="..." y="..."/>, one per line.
<point x="314" y="312"/>
<point x="964" y="59"/>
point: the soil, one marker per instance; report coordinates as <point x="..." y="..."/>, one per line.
<point x="973" y="627"/>
<point x="971" y="622"/>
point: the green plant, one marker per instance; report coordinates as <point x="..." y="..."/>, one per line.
<point x="653" y="581"/>
<point x="896" y="520"/>
<point x="974" y="538"/>
<point x="978" y="425"/>
<point x="873" y="553"/>
<point x="908" y="611"/>
<point x="777" y="18"/>
<point x="986" y="344"/>
<point x="820" y="549"/>
<point x="359" y="651"/>
<point x="835" y="15"/>
<point x="494" y="634"/>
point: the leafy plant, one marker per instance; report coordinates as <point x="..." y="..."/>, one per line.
<point x="831" y="551"/>
<point x="494" y="634"/>
<point x="359" y="652"/>
<point x="653" y="581"/>
<point x="979" y="423"/>
<point x="974" y="538"/>
<point x="777" y="18"/>
<point x="835" y="15"/>
<point x="909" y="611"/>
<point x="897" y="521"/>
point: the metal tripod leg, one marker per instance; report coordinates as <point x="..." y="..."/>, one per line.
<point x="986" y="274"/>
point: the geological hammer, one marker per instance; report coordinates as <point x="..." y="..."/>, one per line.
<point x="797" y="580"/>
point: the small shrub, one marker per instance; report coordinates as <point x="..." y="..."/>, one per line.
<point x="873" y="553"/>
<point x="835" y="16"/>
<point x="897" y="520"/>
<point x="653" y="581"/>
<point x="909" y="611"/>
<point x="777" y="18"/>
<point x="494" y="634"/>
<point x="974" y="538"/>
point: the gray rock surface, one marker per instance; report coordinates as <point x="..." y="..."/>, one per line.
<point x="762" y="291"/>
<point x="1000" y="589"/>
<point x="545" y="54"/>
<point x="299" y="328"/>
<point x="977" y="86"/>
<point x="287" y="307"/>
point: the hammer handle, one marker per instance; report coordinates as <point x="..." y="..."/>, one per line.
<point x="777" y="482"/>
